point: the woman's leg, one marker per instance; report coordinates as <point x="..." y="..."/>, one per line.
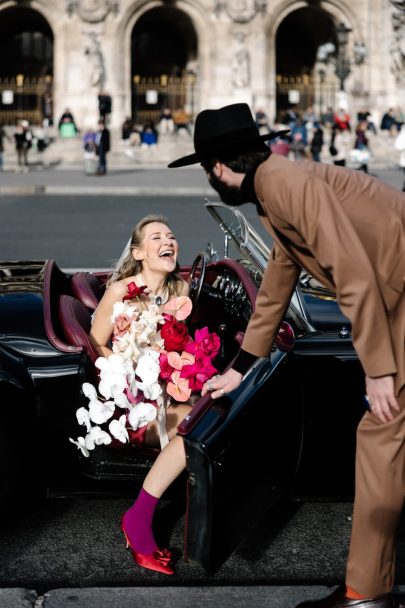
<point x="167" y="467"/>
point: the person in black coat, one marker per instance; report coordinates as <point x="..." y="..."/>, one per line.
<point x="102" y="147"/>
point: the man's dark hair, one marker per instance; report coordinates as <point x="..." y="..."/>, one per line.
<point x="240" y="161"/>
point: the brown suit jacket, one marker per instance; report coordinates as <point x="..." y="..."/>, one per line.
<point x="348" y="230"/>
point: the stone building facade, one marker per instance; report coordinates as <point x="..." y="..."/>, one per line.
<point x="148" y="54"/>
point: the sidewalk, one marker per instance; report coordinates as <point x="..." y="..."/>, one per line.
<point x="145" y="181"/>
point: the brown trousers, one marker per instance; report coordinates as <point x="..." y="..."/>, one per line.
<point x="380" y="491"/>
<point x="380" y="486"/>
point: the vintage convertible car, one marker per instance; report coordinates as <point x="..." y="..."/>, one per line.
<point x="289" y="427"/>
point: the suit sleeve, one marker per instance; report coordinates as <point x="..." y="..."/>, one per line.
<point x="272" y="301"/>
<point x="312" y="209"/>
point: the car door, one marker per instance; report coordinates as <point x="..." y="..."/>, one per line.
<point x="243" y="452"/>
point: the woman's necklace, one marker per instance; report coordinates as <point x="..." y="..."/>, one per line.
<point x="158" y="299"/>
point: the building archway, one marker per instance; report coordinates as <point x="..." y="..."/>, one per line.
<point x="164" y="51"/>
<point x="298" y="82"/>
<point x="26" y="66"/>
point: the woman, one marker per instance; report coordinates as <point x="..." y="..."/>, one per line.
<point x="151" y="262"/>
<point x="339" y="145"/>
<point x="361" y="144"/>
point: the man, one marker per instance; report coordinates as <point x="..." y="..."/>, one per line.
<point x="102" y="147"/>
<point x="347" y="229"/>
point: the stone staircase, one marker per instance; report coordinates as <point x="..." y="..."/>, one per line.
<point x="67" y="153"/>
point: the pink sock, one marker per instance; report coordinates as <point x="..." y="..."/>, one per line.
<point x="137" y="523"/>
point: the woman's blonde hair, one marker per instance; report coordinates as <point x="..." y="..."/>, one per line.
<point x="131" y="267"/>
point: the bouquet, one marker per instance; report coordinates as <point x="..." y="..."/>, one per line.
<point x="154" y="359"/>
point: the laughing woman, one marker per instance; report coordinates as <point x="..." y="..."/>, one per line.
<point x="147" y="280"/>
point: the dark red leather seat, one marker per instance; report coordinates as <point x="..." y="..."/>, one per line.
<point x="87" y="288"/>
<point x="75" y="320"/>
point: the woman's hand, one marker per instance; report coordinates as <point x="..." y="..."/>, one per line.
<point x="381" y="398"/>
<point x="219" y="385"/>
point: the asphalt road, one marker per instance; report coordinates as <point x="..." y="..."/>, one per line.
<point x="75" y="542"/>
<point x="91" y="232"/>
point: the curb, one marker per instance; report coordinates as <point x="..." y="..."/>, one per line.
<point x="103" y="191"/>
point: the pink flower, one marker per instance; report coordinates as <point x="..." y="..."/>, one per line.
<point x="122" y="324"/>
<point x="166" y="369"/>
<point x="178" y="361"/>
<point x="205" y="344"/>
<point x="198" y="373"/>
<point x="179" y="308"/>
<point x="178" y="387"/>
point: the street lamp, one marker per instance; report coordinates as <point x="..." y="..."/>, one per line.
<point x="342" y="68"/>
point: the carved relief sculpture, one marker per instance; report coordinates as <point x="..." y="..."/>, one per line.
<point x="240" y="11"/>
<point x="92" y="11"/>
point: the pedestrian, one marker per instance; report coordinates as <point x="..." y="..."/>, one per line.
<point x="317" y="143"/>
<point x="340" y="144"/>
<point x="102" y="141"/>
<point x="104" y="106"/>
<point x="347" y="229"/>
<point x="400" y="146"/>
<point x="3" y="136"/>
<point x="361" y="151"/>
<point x="23" y="142"/>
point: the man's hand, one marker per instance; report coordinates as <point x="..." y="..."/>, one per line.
<point x="219" y="385"/>
<point x="381" y="397"/>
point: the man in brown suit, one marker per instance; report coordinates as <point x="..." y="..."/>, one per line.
<point x="347" y="229"/>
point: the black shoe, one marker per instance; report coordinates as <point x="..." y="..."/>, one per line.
<point x="337" y="599"/>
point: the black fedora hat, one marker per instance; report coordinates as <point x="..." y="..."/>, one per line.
<point x="230" y="127"/>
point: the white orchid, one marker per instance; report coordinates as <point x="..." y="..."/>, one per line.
<point x="120" y="399"/>
<point x="81" y="445"/>
<point x="141" y="414"/>
<point x="98" y="437"/>
<point x="113" y="374"/>
<point x="151" y="391"/>
<point x="148" y="367"/>
<point x="101" y="412"/>
<point x="83" y="417"/>
<point x="118" y="430"/>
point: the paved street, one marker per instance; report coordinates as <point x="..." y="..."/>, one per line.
<point x="69" y="551"/>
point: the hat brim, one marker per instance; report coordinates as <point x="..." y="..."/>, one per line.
<point x="197" y="157"/>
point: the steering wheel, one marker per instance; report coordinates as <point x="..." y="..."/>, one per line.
<point x="197" y="276"/>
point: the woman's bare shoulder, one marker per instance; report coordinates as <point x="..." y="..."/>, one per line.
<point x="117" y="290"/>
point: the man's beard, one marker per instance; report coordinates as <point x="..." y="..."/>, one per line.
<point x="231" y="195"/>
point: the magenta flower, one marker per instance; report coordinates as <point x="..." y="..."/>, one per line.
<point x="198" y="373"/>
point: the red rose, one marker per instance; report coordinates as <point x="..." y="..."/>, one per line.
<point x="174" y="334"/>
<point x="134" y="291"/>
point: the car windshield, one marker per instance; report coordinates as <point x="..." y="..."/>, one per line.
<point x="249" y="246"/>
<point x="239" y="234"/>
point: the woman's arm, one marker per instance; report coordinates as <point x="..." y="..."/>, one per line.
<point x="102" y="328"/>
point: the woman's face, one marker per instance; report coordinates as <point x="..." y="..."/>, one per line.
<point x="159" y="249"/>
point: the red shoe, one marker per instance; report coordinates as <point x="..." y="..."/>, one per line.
<point x="159" y="561"/>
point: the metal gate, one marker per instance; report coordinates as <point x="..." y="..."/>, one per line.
<point x="27" y="98"/>
<point x="317" y="90"/>
<point x="150" y="95"/>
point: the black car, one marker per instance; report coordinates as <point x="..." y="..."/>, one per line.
<point x="289" y="427"/>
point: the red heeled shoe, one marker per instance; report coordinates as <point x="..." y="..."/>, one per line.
<point x="159" y="560"/>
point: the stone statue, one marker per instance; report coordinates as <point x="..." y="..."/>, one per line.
<point x="397" y="48"/>
<point x="95" y="55"/>
<point x="241" y="64"/>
